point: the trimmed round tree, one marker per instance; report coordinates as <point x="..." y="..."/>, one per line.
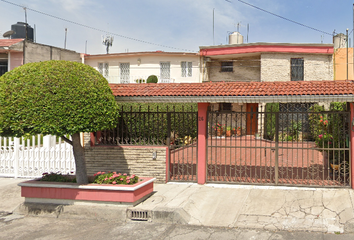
<point x="58" y="98"/>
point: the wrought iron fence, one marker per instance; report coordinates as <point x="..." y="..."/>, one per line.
<point x="295" y="147"/>
<point x="150" y="128"/>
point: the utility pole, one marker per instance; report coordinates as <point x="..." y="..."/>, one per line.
<point x="347" y="54"/>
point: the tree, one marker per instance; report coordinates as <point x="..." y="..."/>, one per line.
<point x="59" y="98"/>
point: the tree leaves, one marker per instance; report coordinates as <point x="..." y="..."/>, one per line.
<point x="55" y="97"/>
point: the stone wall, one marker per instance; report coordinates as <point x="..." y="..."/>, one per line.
<point x="276" y="67"/>
<point x="136" y="160"/>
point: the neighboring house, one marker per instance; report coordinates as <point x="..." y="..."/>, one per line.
<point x="343" y="63"/>
<point x="13" y="53"/>
<point x="136" y="67"/>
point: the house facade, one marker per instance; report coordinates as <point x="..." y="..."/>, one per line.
<point x="264" y="62"/>
<point x="136" y="67"/>
<point x="16" y="52"/>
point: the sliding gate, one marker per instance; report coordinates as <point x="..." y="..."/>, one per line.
<point x="297" y="144"/>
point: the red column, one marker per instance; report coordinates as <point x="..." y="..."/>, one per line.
<point x="352" y="143"/>
<point x="202" y="133"/>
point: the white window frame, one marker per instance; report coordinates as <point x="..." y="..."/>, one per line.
<point x="103" y="68"/>
<point x="165" y="71"/>
<point x="186" y="69"/>
<point x="124" y="69"/>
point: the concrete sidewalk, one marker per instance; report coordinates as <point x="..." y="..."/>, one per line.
<point x="233" y="206"/>
<point x="258" y="207"/>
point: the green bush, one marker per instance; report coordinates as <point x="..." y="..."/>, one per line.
<point x="269" y="120"/>
<point x="152" y="79"/>
<point x="143" y="123"/>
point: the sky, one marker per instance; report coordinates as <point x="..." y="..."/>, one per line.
<point x="176" y="25"/>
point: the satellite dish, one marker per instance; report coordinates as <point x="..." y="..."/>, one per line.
<point x="8" y="33"/>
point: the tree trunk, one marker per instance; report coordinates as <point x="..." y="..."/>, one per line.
<point x="79" y="155"/>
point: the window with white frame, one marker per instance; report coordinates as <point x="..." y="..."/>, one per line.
<point x="124" y="72"/>
<point x="103" y="68"/>
<point x="165" y="71"/>
<point x="186" y="68"/>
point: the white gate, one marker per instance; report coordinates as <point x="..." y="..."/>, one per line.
<point x="34" y="156"/>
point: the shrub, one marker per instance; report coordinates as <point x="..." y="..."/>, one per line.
<point x="152" y="79"/>
<point x="57" y="177"/>
<point x="269" y="120"/>
<point x="115" y="178"/>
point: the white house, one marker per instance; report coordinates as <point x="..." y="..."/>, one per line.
<point x="136" y="67"/>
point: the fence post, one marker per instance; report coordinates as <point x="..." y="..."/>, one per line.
<point x="276" y="148"/>
<point x="202" y="133"/>
<point x="351" y="150"/>
<point x="16" y="155"/>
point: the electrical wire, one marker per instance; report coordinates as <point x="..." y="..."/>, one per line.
<point x="97" y="29"/>
<point x="284" y="18"/>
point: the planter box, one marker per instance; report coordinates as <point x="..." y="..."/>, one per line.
<point x="71" y="193"/>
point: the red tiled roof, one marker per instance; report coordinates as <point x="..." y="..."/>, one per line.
<point x="9" y="42"/>
<point x="234" y="89"/>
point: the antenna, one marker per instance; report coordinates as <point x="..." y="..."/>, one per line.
<point x="107" y="41"/>
<point x="66" y="33"/>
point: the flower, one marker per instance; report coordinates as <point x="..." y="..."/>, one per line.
<point x="114" y="182"/>
<point x="124" y="174"/>
<point x="128" y="181"/>
<point x="320" y="136"/>
<point x="106" y="179"/>
<point x="121" y="179"/>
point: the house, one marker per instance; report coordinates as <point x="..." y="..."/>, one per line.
<point x="289" y="146"/>
<point x="16" y="52"/>
<point x="264" y="62"/>
<point x="136" y="67"/>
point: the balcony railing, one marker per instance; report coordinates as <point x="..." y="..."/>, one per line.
<point x="136" y="79"/>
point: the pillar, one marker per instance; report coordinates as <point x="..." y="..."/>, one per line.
<point x="202" y="138"/>
<point x="352" y="143"/>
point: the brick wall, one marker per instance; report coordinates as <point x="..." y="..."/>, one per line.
<point x="243" y="70"/>
<point x="126" y="159"/>
<point x="276" y="67"/>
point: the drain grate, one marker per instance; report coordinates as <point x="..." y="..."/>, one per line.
<point x="139" y="215"/>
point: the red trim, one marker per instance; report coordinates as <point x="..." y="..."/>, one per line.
<point x="202" y="130"/>
<point x="88" y="194"/>
<point x="266" y="48"/>
<point x="92" y="139"/>
<point x="167" y="163"/>
<point x="352" y="143"/>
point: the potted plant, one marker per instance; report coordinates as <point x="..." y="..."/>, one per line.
<point x="228" y="132"/>
<point x="218" y="129"/>
<point x="237" y="131"/>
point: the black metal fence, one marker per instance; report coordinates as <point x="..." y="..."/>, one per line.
<point x="299" y="146"/>
<point x="150" y="128"/>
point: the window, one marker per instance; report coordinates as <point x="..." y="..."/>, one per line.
<point x="186" y="69"/>
<point x="225" y="107"/>
<point x="297" y="69"/>
<point x="3" y="68"/>
<point x="227" y="66"/>
<point x="124" y="72"/>
<point x="165" y="71"/>
<point x="103" y="68"/>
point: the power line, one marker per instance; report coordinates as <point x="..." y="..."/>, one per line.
<point x="96" y="29"/>
<point x="284" y="18"/>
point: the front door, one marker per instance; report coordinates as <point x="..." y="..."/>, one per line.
<point x="252" y="118"/>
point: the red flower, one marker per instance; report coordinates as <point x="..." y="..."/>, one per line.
<point x="125" y="174"/>
<point x="114" y="182"/>
<point x="128" y="181"/>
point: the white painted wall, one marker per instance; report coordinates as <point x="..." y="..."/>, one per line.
<point x="149" y="65"/>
